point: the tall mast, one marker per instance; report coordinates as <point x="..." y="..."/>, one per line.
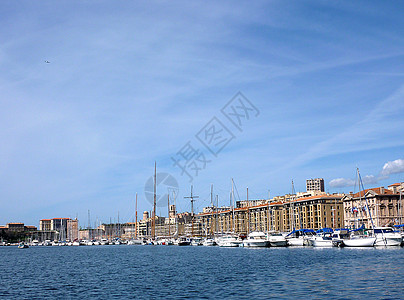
<point x="232" y="207"/>
<point x="269" y="219"/>
<point x="211" y="203"/>
<point x="292" y="206"/>
<point x="154" y="202"/>
<point x="168" y="209"/>
<point x="89" y="225"/>
<point x="175" y="214"/>
<point x="136" y="217"/>
<point x="216" y="219"/>
<point x="192" y="209"/>
<point x="366" y="200"/>
<point x="248" y="214"/>
<point x="400" y="204"/>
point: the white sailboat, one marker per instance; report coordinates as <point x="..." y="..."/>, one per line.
<point x="381" y="236"/>
<point x="135" y="240"/>
<point x="358" y="240"/>
<point x="230" y="239"/>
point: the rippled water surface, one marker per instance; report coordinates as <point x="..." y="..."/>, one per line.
<point x="200" y="272"/>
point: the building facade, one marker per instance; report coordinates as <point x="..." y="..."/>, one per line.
<point x="380" y="206"/>
<point x="316" y="184"/>
<point x="72" y="229"/>
<point x="280" y="214"/>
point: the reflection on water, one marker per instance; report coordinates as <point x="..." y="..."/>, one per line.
<point x="201" y="272"/>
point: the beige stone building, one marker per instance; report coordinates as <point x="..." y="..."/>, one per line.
<point x="385" y="207"/>
<point x="72" y="229"/>
<point x="280" y="214"/>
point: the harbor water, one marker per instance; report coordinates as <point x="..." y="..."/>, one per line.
<point x="151" y="272"/>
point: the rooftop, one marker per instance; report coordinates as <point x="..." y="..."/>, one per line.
<point x="379" y="191"/>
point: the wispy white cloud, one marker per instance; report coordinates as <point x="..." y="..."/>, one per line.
<point x="393" y="167"/>
<point x="86" y="129"/>
<point x="389" y="168"/>
<point x="341" y="182"/>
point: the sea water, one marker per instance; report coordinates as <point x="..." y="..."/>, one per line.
<point x="151" y="272"/>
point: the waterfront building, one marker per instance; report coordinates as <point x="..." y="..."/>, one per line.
<point x="72" y="229"/>
<point x="316" y="184"/>
<point x="15" y="227"/>
<point x="280" y="214"/>
<point x="45" y="224"/>
<point x="313" y="212"/>
<point x="385" y="206"/>
<point x="91" y="234"/>
<point x="56" y="228"/>
<point x="60" y="225"/>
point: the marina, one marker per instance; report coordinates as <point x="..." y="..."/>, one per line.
<point x="201" y="272"/>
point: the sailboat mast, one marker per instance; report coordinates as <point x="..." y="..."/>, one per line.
<point x="211" y="203"/>
<point x="400" y="205"/>
<point x="217" y="219"/>
<point x="232" y="196"/>
<point x="248" y="214"/>
<point x="168" y="209"/>
<point x="175" y="213"/>
<point x="192" y="209"/>
<point x="366" y="200"/>
<point x="192" y="213"/>
<point x="292" y="206"/>
<point x="154" y="202"/>
<point x="136" y="217"/>
<point x="269" y="219"/>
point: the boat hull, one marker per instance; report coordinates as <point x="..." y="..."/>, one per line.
<point x="360" y="242"/>
<point x="322" y="243"/>
<point x="255" y="244"/>
<point x="295" y="242"/>
<point x="388" y="241"/>
<point x="279" y="243"/>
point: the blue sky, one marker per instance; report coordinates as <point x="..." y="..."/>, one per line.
<point x="131" y="83"/>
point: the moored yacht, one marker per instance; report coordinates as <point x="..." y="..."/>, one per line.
<point x="357" y="238"/>
<point x="104" y="242"/>
<point x="322" y="239"/>
<point x="135" y="242"/>
<point x="182" y="241"/>
<point x="23" y="246"/>
<point x="300" y="237"/>
<point x="359" y="241"/>
<point x="35" y="243"/>
<point x="196" y="242"/>
<point x="209" y="242"/>
<point x="386" y="236"/>
<point x="276" y="239"/>
<point x="256" y="239"/>
<point x="228" y="241"/>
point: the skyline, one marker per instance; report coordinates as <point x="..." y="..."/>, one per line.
<point x="128" y="85"/>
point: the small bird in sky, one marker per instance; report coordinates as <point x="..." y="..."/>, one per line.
<point x="47" y="61"/>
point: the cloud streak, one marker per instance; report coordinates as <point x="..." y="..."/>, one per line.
<point x="389" y="168"/>
<point x="393" y="167"/>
